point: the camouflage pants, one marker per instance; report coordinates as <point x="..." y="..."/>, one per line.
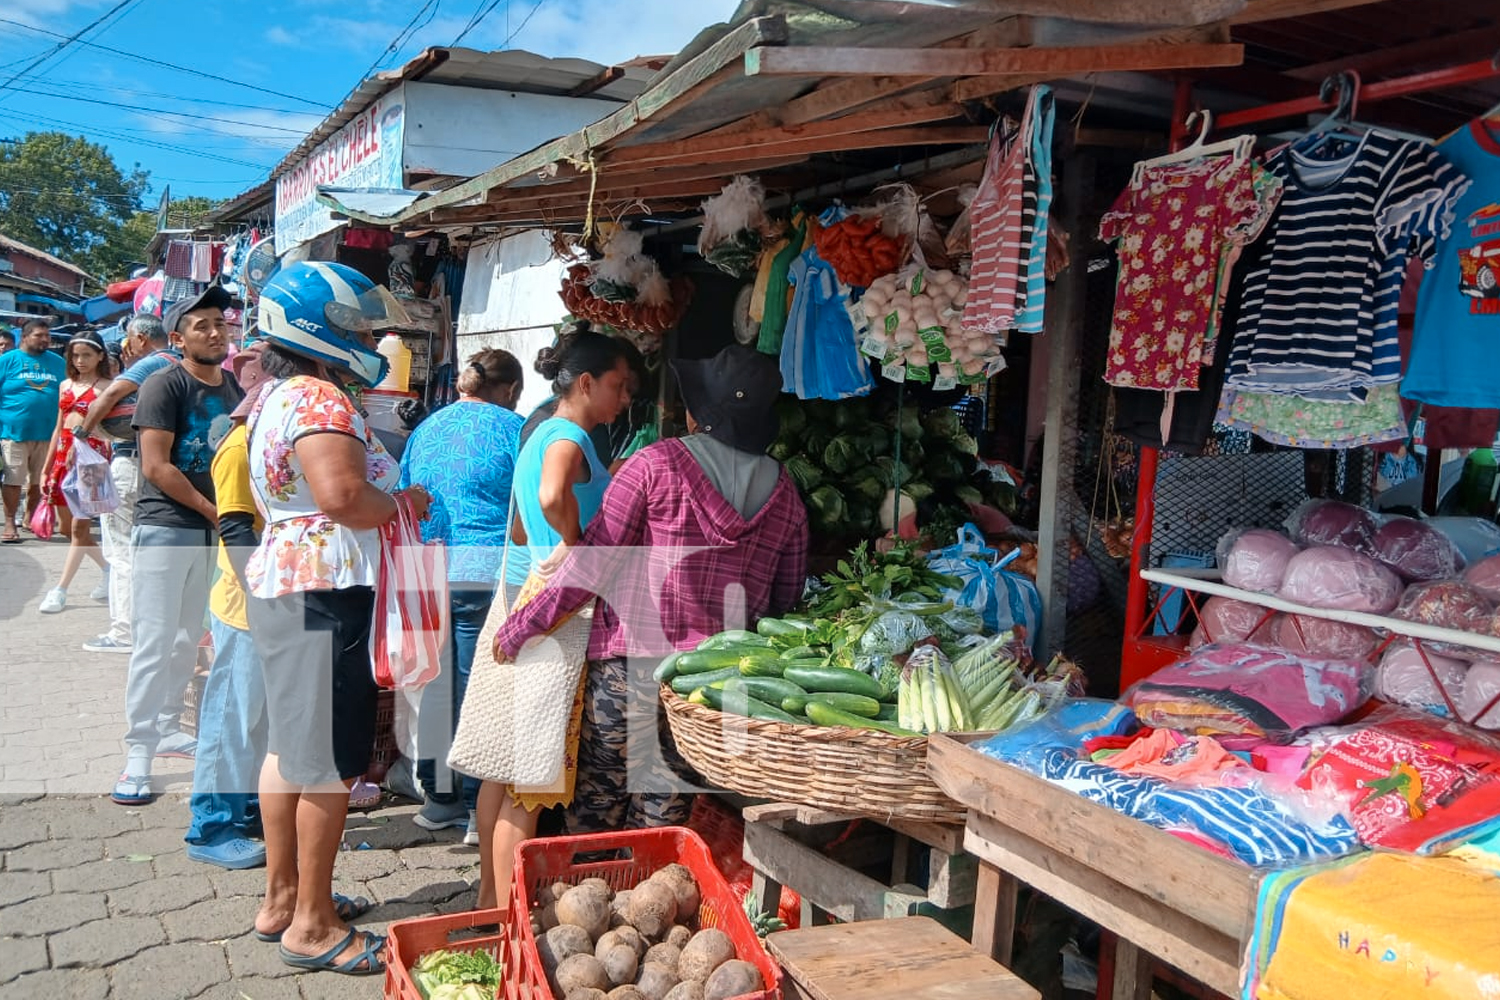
<point x="629" y="772"/>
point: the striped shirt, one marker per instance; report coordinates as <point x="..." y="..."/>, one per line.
<point x="1037" y="193"/>
<point x="672" y="562"/>
<point x="1001" y="239"/>
<point x="1319" y="316"/>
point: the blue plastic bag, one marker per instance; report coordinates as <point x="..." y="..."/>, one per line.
<point x="1004" y="600"/>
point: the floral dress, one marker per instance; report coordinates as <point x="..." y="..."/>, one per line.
<point x="71" y="401"/>
<point x="301" y="548"/>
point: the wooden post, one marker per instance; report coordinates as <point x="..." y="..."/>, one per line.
<point x="995" y="913"/>
<point x="1059" y="503"/>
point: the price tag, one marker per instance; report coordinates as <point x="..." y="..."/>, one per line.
<point x="896" y="373"/>
<point x="872" y="348"/>
<point x="945" y="382"/>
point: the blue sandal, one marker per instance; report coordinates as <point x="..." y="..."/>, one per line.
<point x="366" y="962"/>
<point x="349" y="910"/>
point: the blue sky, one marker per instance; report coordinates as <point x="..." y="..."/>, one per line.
<point x="311" y="53"/>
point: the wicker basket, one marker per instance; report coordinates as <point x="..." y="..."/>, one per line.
<point x="858" y="771"/>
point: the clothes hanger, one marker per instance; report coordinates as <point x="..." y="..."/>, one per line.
<point x="1239" y="147"/>
<point x="1339" y="124"/>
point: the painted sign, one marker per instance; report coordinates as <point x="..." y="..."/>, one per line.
<point x="364" y="153"/>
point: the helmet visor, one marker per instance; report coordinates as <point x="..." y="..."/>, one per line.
<point x="378" y="309"/>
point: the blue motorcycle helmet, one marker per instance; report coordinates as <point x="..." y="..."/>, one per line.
<point x="319" y="310"/>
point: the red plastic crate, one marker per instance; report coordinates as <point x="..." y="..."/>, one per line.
<point x="409" y="940"/>
<point x="640" y="854"/>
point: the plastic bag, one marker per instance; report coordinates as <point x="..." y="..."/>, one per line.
<point x="88" y="487"/>
<point x="1004" y="600"/>
<point x="1256" y="559"/>
<point x="1416" y="551"/>
<point x="1474" y="537"/>
<point x="1333" y="522"/>
<point x="1403" y="678"/>
<point x="961" y="232"/>
<point x="410" y="623"/>
<point x="1066" y="726"/>
<point x="1322" y="637"/>
<point x="893" y="633"/>
<point x="1481" y="686"/>
<point x="1340" y="579"/>
<point x="734" y="224"/>
<point x="1446" y="604"/>
<point x="1223" y="619"/>
<point x="1484" y="576"/>
<point x="43" y="521"/>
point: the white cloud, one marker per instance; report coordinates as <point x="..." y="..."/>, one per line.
<point x="277" y="35"/>
<point x="44" y="13"/>
<point x="262" y="128"/>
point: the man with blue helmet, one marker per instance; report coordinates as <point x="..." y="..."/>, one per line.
<point x="325" y="485"/>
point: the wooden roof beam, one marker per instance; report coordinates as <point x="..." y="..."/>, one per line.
<point x="1276" y="10"/>
<point x="810" y="60"/>
<point x="1143" y="12"/>
<point x="814" y="144"/>
<point x="1459" y="47"/>
<point x="598" y="81"/>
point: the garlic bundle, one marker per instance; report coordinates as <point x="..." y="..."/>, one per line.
<point x="915" y="319"/>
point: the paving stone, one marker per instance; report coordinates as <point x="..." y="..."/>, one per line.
<point x="212" y="920"/>
<point x="52" y="855"/>
<point x="399" y="833"/>
<point x="246" y="882"/>
<point x="95" y="824"/>
<point x="103" y="943"/>
<point x="50" y="984"/>
<point x="444" y="857"/>
<point x="416" y="887"/>
<point x="155" y="842"/>
<point x="173" y="970"/>
<point x="178" y="863"/>
<point x="161" y="895"/>
<point x="17" y="887"/>
<point x="462" y="903"/>
<point x="365" y="865"/>
<point x="249" y="958"/>
<point x="49" y="914"/>
<point x="256" y="988"/>
<point x="11" y="798"/>
<point x="21" y="955"/>
<point x="322" y="986"/>
<point x="101" y="876"/>
<point x="379" y="919"/>
<point x="47" y="737"/>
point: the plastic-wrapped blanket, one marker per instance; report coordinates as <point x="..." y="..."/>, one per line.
<point x="1403" y="678"/>
<point x="1257" y="560"/>
<point x="1333" y="522"/>
<point x="1416" y="551"/>
<point x="1340" y="579"/>
<point x="1223" y="619"/>
<point x="1324" y="637"/>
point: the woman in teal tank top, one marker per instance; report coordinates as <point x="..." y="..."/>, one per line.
<point x="558" y="485"/>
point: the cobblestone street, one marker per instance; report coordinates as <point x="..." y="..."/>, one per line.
<point x="98" y="900"/>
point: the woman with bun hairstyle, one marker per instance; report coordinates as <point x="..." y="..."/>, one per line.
<point x="558" y="486"/>
<point x="465" y="454"/>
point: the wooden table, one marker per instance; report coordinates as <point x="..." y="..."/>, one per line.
<point x="1159" y="895"/>
<point x="913" y="958"/>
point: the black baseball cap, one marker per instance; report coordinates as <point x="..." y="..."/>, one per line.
<point x="214" y="296"/>
<point x="733" y="396"/>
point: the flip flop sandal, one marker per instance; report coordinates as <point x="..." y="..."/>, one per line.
<point x="366" y="962"/>
<point x="349" y="910"/>
<point x="131" y="790"/>
<point x="14" y="538"/>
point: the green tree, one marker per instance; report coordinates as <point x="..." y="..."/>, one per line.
<point x="66" y="195"/>
<point x="128" y="245"/>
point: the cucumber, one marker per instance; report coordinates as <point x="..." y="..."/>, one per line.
<point x="752" y="665"/>
<point x="887" y="713"/>
<point x="854" y="704"/>
<point x="739" y="703"/>
<point x="826" y="715"/>
<point x="733" y="637"/>
<point x="701" y="661"/>
<point x="770" y="690"/>
<point x="796" y="704"/>
<point x="771" y="628"/>
<point x="688" y="683"/>
<point x="666" y="670"/>
<point x="801" y="653"/>
<point x="833" y="679"/>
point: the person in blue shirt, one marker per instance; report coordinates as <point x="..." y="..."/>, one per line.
<point x="31" y="380"/>
<point x="465" y="455"/>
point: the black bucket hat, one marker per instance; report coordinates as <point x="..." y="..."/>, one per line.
<point x="732" y="396"/>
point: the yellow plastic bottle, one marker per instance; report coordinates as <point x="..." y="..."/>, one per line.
<point x="398" y="378"/>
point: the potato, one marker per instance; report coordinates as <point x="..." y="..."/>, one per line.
<point x="627" y="992"/>
<point x="587" y="993"/>
<point x="620" y="964"/>
<point x="598" y="885"/>
<point x="586" y="908"/>
<point x="684" y="887"/>
<point x="581" y="972"/>
<point x="559" y="890"/>
<point x="663" y="954"/>
<point x="656" y="981"/>
<point x="561" y="943"/>
<point x="544" y="895"/>
<point x="652" y="909"/>
<point x="548" y="917"/>
<point x="679" y="936"/>
<point x="629" y="935"/>
<point x="733" y="979"/>
<point x="686" y="990"/>
<point x="709" y="949"/>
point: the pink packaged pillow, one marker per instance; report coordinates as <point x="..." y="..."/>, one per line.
<point x="1333" y="522"/>
<point x="1223" y="619"/>
<point x="1404" y="678"/>
<point x="1484" y="576"/>
<point x="1416" y="551"/>
<point x="1480" y="688"/>
<point x="1340" y="579"/>
<point x="1257" y="561"/>
<point x="1321" y="637"/>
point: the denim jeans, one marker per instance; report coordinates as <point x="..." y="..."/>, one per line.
<point x="231" y="737"/>
<point x="470" y="607"/>
<point x="170" y="573"/>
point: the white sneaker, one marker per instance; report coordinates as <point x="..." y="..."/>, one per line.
<point x="471" y="835"/>
<point x="54" y="601"/>
<point x="101" y="592"/>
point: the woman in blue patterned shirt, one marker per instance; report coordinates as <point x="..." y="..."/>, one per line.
<point x="465" y="455"/>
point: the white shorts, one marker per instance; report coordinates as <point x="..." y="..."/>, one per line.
<point x="24" y="459"/>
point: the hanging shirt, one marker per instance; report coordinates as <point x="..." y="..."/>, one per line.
<point x="820" y="356"/>
<point x="996" y="217"/>
<point x="1171" y="228"/>
<point x="1320" y="313"/>
<point x="1452" y="359"/>
<point x="1037" y="197"/>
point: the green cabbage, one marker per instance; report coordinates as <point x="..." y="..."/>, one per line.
<point x="782" y="450"/>
<point x="942" y="422"/>
<point x="844" y="455"/>
<point x="804" y="473"/>
<point x="826" y="508"/>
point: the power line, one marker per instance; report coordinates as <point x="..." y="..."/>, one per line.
<point x="162" y="111"/>
<point x="403" y="36"/>
<point x="66" y="41"/>
<point x="151" y="143"/>
<point x="522" y="26"/>
<point x="98" y="35"/>
<point x="114" y="89"/>
<point x="480" y="13"/>
<point x="172" y="66"/>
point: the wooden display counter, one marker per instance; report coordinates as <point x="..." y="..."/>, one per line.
<point x="1161" y="896"/>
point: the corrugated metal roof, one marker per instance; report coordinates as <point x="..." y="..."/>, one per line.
<point x="514" y="69"/>
<point x="16" y="245"/>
